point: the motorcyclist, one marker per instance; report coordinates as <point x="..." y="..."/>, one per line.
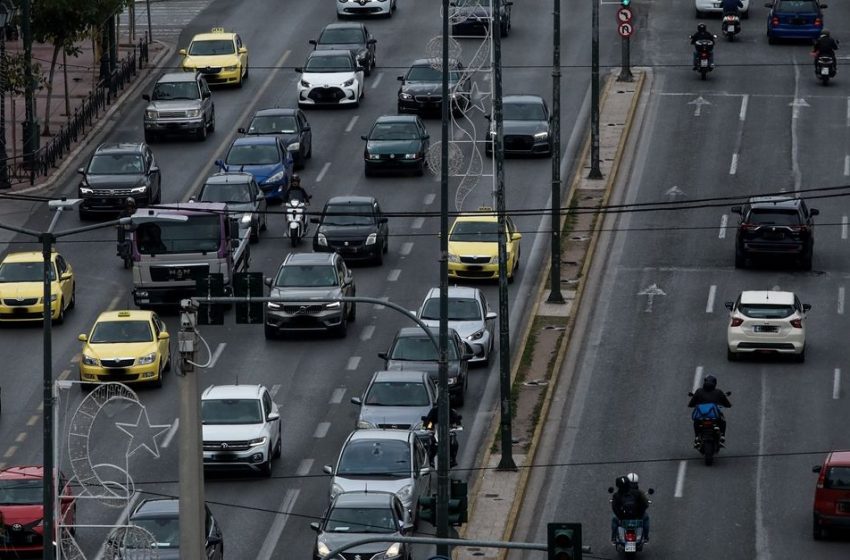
<point x="825" y="46"/>
<point x="295" y="191"/>
<point x="702" y="34"/>
<point x="732" y="7"/>
<point x="430" y="421"/>
<point x="123" y="242"/>
<point x="710" y="394"/>
<point x="629" y="502"/>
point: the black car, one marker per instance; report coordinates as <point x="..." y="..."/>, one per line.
<point x="353" y="226"/>
<point x="352" y="36"/>
<point x="412" y="349"/>
<point x="472" y="17"/>
<point x="291" y="125"/>
<point x="115" y="172"/>
<point x="396" y="143"/>
<point x="421" y="88"/>
<point x="357" y="515"/>
<point x="775" y="226"/>
<point x="526" y="126"/>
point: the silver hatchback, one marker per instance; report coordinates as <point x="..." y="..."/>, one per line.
<point x="396" y="400"/>
<point x="469" y="315"/>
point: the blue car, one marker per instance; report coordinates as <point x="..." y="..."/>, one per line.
<point x="794" y="19"/>
<point x="266" y="158"/>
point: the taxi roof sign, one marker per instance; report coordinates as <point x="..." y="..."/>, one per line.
<point x="217" y="30"/>
<point x="123" y="313"/>
<point x="485" y="208"/>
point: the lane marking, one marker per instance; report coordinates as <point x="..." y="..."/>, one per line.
<point x="169" y="435"/>
<point x="324" y="170"/>
<point x="351" y="123"/>
<point x="33" y="419"/>
<point x="367" y="333"/>
<point x="217" y="354"/>
<point x="733" y="167"/>
<point x="742" y="114"/>
<point x="841" y="300"/>
<point x="712" y="292"/>
<point x="836" y="383"/>
<point x="847" y="165"/>
<point x="353" y="362"/>
<point x="429" y="199"/>
<point x="75" y="359"/>
<point x="418" y="223"/>
<point x="65" y="373"/>
<point x="724" y="221"/>
<point x="276" y="529"/>
<point x="697" y="378"/>
<point x="377" y="80"/>
<point x="393" y="275"/>
<point x="843" y="227"/>
<point x="680" y="479"/>
<point x="848" y="111"/>
<point x="273" y="391"/>
<point x="795" y="163"/>
<point x="322" y="430"/>
<point x="304" y="467"/>
<point x="40" y="407"/>
<point x="21" y="437"/>
<point x="761" y="545"/>
<point x="406" y="248"/>
<point x="10" y="451"/>
<point x="114" y="302"/>
<point x="337" y="395"/>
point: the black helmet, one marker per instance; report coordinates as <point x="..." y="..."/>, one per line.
<point x="130" y="202"/>
<point x="622" y="482"/>
<point x="824" y="33"/>
<point x="709" y="383"/>
<point x="701" y="27"/>
<point x="296" y="180"/>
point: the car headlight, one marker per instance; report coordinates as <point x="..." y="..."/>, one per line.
<point x="147" y="359"/>
<point x="139" y="190"/>
<point x="410" y="156"/>
<point x="193" y="113"/>
<point x="541" y="135"/>
<point x="246" y="219"/>
<point x="90" y="360"/>
<point x="364" y="425"/>
<point x="333" y="305"/>
<point x="454" y="258"/>
<point x="405" y="493"/>
<point x="347" y="83"/>
<point x="405" y="96"/>
<point x="322" y="240"/>
<point x="393" y="551"/>
<point x="373" y="156"/>
<point x="230" y="68"/>
<point x="273" y="305"/>
<point x="335" y="489"/>
<point x="86" y="190"/>
<point x="416" y="427"/>
<point x="294" y="147"/>
<point x="452" y="380"/>
<point x="52" y="298"/>
<point x="275" y="178"/>
<point x="304" y="83"/>
<point x="150" y="114"/>
<point x="322" y="548"/>
<point x="257" y="441"/>
<point x="372" y="239"/>
<point x="476" y="335"/>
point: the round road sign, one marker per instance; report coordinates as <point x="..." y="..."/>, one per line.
<point x="625" y="29"/>
<point x="624" y="15"/>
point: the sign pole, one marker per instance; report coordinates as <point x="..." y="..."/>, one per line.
<point x="625" y="29"/>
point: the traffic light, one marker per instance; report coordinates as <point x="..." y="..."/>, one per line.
<point x="428" y="508"/>
<point x="564" y="541"/>
<point x="458" y="503"/>
<point x="211" y="285"/>
<point x="248" y="284"/>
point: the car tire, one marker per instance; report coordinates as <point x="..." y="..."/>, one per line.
<point x="278" y="448"/>
<point x="168" y="363"/>
<point x="386" y="246"/>
<point x="157" y="383"/>
<point x="352" y="314"/>
<point x="263" y="225"/>
<point x="270" y="332"/>
<point x="740" y="259"/>
<point x="801" y="357"/>
<point x="819" y="533"/>
<point x="201" y="135"/>
<point x="420" y="171"/>
<point x="731" y="356"/>
<point x="770" y="39"/>
<point x="266" y="468"/>
<point x="150" y="137"/>
<point x="461" y="397"/>
<point x="341" y="331"/>
<point x="698" y="14"/>
<point x="212" y="122"/>
<point x="247" y="70"/>
<point x="87" y="387"/>
<point x="61" y="317"/>
<point x="73" y="303"/>
<point x="745" y="15"/>
<point x="254" y="236"/>
<point x="806" y="261"/>
<point x="367" y="172"/>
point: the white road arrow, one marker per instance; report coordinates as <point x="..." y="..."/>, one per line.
<point x="699" y="102"/>
<point x="674" y="191"/>
<point x="650" y="294"/>
<point x="796" y="104"/>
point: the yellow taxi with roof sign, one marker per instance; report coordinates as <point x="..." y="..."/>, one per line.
<point x="474" y="246"/>
<point x="130" y="346"/>
<point x="22" y="287"/>
<point x="220" y="56"/>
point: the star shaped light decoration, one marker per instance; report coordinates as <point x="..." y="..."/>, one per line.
<point x="477" y="97"/>
<point x="142" y="434"/>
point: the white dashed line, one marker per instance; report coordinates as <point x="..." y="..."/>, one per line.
<point x="351" y="123"/>
<point x="841" y="300"/>
<point x="21" y="437"/>
<point x="353" y="362"/>
<point x="848" y="111"/>
<point x="10" y="451"/>
<point x="367" y="333"/>
<point x="733" y="167"/>
<point x="275" y="388"/>
<point x="429" y="199"/>
<point x="712" y="292"/>
<point x="324" y="170"/>
<point x="278" y="525"/>
<point x="406" y="248"/>
<point x="304" y="467"/>
<point x="846" y="165"/>
<point x="393" y="275"/>
<point x="843" y="227"/>
<point x="169" y="435"/>
<point x="742" y="114"/>
<point x="836" y="384"/>
<point x="216" y="355"/>
<point x="680" y="479"/>
<point x="724" y="221"/>
<point x="697" y="378"/>
<point x="337" y="395"/>
<point x="322" y="430"/>
<point x="377" y="80"/>
<point x="418" y="223"/>
<point x="382" y="298"/>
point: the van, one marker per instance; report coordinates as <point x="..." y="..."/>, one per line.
<point x="832" y="494"/>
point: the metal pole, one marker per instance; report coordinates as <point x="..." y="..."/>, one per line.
<point x="4" y="165"/>
<point x="507" y="461"/>
<point x="150" y="28"/>
<point x="595" y="172"/>
<point x="443" y="403"/>
<point x="30" y="138"/>
<point x="191" y="485"/>
<point x="555" y="295"/>
<point x="625" y="67"/>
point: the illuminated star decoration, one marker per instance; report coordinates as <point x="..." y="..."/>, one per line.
<point x="476" y="98"/>
<point x="142" y="434"/>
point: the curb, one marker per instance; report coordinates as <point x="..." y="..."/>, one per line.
<point x="87" y="140"/>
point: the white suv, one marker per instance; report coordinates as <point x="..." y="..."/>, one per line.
<point x="241" y="428"/>
<point x="767" y="321"/>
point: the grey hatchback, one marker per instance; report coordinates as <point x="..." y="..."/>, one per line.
<point x="396" y="400"/>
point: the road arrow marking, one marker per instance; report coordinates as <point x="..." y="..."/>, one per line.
<point x="674" y="191"/>
<point x="699" y="102"/>
<point x="650" y="294"/>
<point x="796" y="104"/>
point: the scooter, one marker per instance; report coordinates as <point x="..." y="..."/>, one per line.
<point x="433" y="435"/>
<point x="296" y="224"/>
<point x="704" y="48"/>
<point x="825" y="68"/>
<point x="630" y="539"/>
<point x="731" y="26"/>
<point x="706" y="419"/>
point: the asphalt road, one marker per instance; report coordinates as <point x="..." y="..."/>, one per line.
<point x="312" y="378"/>
<point x="760" y="124"/>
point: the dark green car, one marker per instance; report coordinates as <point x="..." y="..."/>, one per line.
<point x="396" y="143"/>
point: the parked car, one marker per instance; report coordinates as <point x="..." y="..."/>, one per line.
<point x="469" y="315"/>
<point x="473" y="17"/>
<point x="290" y="125"/>
<point x="526" y="127"/>
<point x="22" y="287"/>
<point x="116" y="172"/>
<point x="832" y="495"/>
<point x="421" y="89"/>
<point x="348" y="8"/>
<point x="264" y="157"/>
<point x="245" y="201"/>
<point x="353" y="226"/>
<point x="330" y="78"/>
<point x="767" y="322"/>
<point x="396" y="400"/>
<point x="241" y="428"/>
<point x="181" y="103"/>
<point x="352" y="36"/>
<point x="794" y="19"/>
<point x="775" y="227"/>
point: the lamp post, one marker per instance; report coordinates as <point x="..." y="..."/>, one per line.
<point x="7" y="10"/>
<point x="555" y="295"/>
<point x="30" y="137"/>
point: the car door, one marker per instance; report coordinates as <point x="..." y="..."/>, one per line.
<point x="285" y="158"/>
<point x="65" y="278"/>
<point x="164" y="345"/>
<point x="214" y="545"/>
<point x="513" y="244"/>
<point x="243" y="56"/>
<point x="383" y="229"/>
<point x="260" y="204"/>
<point x="423" y="134"/>
<point x="268" y="407"/>
<point x="304" y="132"/>
<point x="422" y="483"/>
<point x="358" y="73"/>
<point x="206" y="98"/>
<point x="370" y="44"/>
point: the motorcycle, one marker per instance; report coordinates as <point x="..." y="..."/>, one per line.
<point x="706" y="419"/>
<point x="432" y="434"/>
<point x="731" y="26"/>
<point x="296" y="223"/>
<point x="630" y="535"/>
<point x="825" y="68"/>
<point x="704" y="49"/>
<point x="124" y="249"/>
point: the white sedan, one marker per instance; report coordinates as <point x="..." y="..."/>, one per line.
<point x="767" y="322"/>
<point x="704" y="7"/>
<point x="330" y="78"/>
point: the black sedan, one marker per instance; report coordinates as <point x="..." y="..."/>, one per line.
<point x="472" y="17"/>
<point x="349" y="36"/>
<point x="396" y="143"/>
<point x="526" y="126"/>
<point x="116" y="172"/>
<point x="353" y="226"/>
<point x="291" y="125"/>
<point x="421" y="88"/>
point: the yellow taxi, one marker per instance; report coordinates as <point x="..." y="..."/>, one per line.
<point x="221" y="57"/>
<point x="22" y="287"/>
<point x="474" y="246"/>
<point x="129" y="346"/>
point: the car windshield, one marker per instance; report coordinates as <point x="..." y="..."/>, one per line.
<point x="273" y="124"/>
<point x="460" y="309"/>
<point x="306" y="275"/>
<point x="165" y="531"/>
<point x="388" y="458"/>
<point x="523" y="112"/>
<point x="345" y="35"/>
<point x="167" y="91"/>
<point x="21" y="491"/>
<point x="329" y="64"/>
<point x="429" y="74"/>
<point x="397" y="393"/>
<point x="253" y="154"/>
<point x="199" y="234"/>
<point x="226" y="192"/>
<point x="766" y="311"/>
<point x="797" y="6"/>
<point x="348" y="215"/>
<point x="417" y="348"/>
<point x="231" y="411"/>
<point x="361" y="520"/>
<point x="475" y="232"/>
<point x="111" y="332"/>
<point x="394" y="131"/>
<point x="774" y="217"/>
<point x="837" y="478"/>
<point x="116" y="164"/>
<point x="212" y="47"/>
<point x="24" y="272"/>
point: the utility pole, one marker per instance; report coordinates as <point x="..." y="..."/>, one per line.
<point x="555" y="295"/>
<point x="30" y="138"/>
<point x="595" y="172"/>
<point x="6" y="13"/>
<point x="191" y="471"/>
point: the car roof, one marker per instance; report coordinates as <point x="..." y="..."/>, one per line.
<point x="225" y="177"/>
<point x="155" y="507"/>
<point x="21" y="472"/>
<point x="776" y="200"/>
<point x="397" y="119"/>
<point x="232" y="392"/>
<point x="275" y="111"/>
<point x="351" y="199"/>
<point x="343" y="25"/>
<point x="373" y="434"/>
<point x="125" y="315"/>
<point x="399" y="376"/>
<point x="839" y="458"/>
<point x="25" y="256"/>
<point x="523" y="98"/>
<point x="418" y="332"/>
<point x="177" y="77"/>
<point x="330" y="52"/>
<point x="120" y="148"/>
<point x="477" y="217"/>
<point x="453" y="62"/>
<point x="455" y="292"/>
<point x="767" y="297"/>
<point x="309" y="258"/>
<point x="370" y="499"/>
<point x="255" y="140"/>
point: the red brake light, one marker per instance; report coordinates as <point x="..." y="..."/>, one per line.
<point x="630" y="536"/>
<point x="774" y="21"/>
<point x="748" y="227"/>
<point x="736" y="322"/>
<point x="797" y="323"/>
<point x="818" y="22"/>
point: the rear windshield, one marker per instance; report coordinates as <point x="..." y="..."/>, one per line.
<point x="398" y="393"/>
<point x="390" y="458"/>
<point x="766" y="311"/>
<point x="837" y="478"/>
<point x="774" y="217"/>
<point x="797" y="6"/>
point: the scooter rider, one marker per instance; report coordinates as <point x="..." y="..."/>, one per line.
<point x="702" y="34"/>
<point x="825" y="46"/>
<point x="295" y="191"/>
<point x="710" y="394"/>
<point x="123" y="242"/>
<point x="629" y="502"/>
<point x="430" y="421"/>
<point x="732" y="7"/>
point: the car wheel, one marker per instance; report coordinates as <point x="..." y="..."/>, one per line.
<point x="202" y="133"/>
<point x="247" y="69"/>
<point x="158" y="381"/>
<point x="168" y="363"/>
<point x="367" y="172"/>
<point x="266" y="468"/>
<point x="255" y="234"/>
<point x="770" y="39"/>
<point x="386" y="246"/>
<point x="379" y="258"/>
<point x="745" y="15"/>
<point x="309" y="150"/>
<point x="73" y="302"/>
<point x="801" y="357"/>
<point x="731" y="356"/>
<point x="819" y="533"/>
<point x="278" y="448"/>
<point x="740" y="259"/>
<point x="806" y="262"/>
<point x="61" y="317"/>
<point x="87" y="387"/>
<point x="270" y="332"/>
<point x="420" y="171"/>
<point x="150" y="137"/>
<point x="342" y="329"/>
<point x="461" y="397"/>
<point x="352" y="314"/>
<point x="212" y="122"/>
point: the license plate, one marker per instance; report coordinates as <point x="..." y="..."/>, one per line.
<point x="703" y="62"/>
<point x="730" y="28"/>
<point x="764" y="329"/>
<point x="824" y="71"/>
<point x="717" y="4"/>
<point x="842" y="507"/>
<point x="19" y="310"/>
<point x="631" y="547"/>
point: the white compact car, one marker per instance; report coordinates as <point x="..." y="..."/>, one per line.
<point x="704" y="7"/>
<point x="380" y="8"/>
<point x="767" y="322"/>
<point x="330" y="78"/>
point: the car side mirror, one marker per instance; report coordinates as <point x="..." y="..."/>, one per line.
<point x="356" y="400"/>
<point x="182" y="52"/>
<point x="154" y="169"/>
<point x="508" y="4"/>
<point x="424" y="471"/>
<point x="267" y="281"/>
<point x="690" y="394"/>
<point x="164" y="336"/>
<point x="205" y="95"/>
<point x="730" y="305"/>
<point x="273" y="416"/>
<point x="313" y="42"/>
<point x="315" y="220"/>
<point x="146" y="97"/>
<point x="298" y="69"/>
<point x="360" y="69"/>
<point x="610" y="489"/>
<point x="364" y="137"/>
<point x="371" y="41"/>
<point x="735" y="209"/>
<point x="728" y="393"/>
<point x="490" y="315"/>
<point x="426" y="137"/>
<point x="260" y="197"/>
<point x="83" y="338"/>
<point x="768" y="4"/>
<point x="214" y="540"/>
<point x="816" y="468"/>
<point x="81" y="170"/>
<point x="807" y="307"/>
<point x="383" y="220"/>
<point x="327" y="469"/>
<point x="315" y="526"/>
<point x="243" y="50"/>
<point x="516" y="236"/>
<point x="651" y="491"/>
<point x="241" y="130"/>
<point x="66" y="276"/>
<point x="219" y="163"/>
<point x="193" y="198"/>
<point x="814" y="212"/>
<point x="824" y="6"/>
<point x="400" y="78"/>
<point x="383" y="355"/>
<point x="306" y="128"/>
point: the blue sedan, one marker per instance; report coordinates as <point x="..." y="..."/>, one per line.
<point x="794" y="19"/>
<point x="266" y="158"/>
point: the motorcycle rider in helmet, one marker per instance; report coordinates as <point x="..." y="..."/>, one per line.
<point x="710" y="394"/>
<point x="825" y="45"/>
<point x="732" y="7"/>
<point x="295" y="191"/>
<point x="430" y="421"/>
<point x="702" y="34"/>
<point x="629" y="502"/>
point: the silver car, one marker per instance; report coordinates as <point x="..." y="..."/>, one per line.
<point x="383" y="460"/>
<point x="181" y="103"/>
<point x="348" y="8"/>
<point x="469" y="315"/>
<point x="396" y="400"/>
<point x="245" y="201"/>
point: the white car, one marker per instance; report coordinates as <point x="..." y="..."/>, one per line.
<point x="469" y="315"/>
<point x="767" y="321"/>
<point x="348" y="8"/>
<point x="704" y="7"/>
<point x="330" y="78"/>
<point x="241" y="428"/>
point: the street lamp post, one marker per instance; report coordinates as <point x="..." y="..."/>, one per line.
<point x="555" y="295"/>
<point x="30" y="130"/>
<point x="6" y="13"/>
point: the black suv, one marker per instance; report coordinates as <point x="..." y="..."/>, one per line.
<point x="353" y="226"/>
<point x="775" y="226"/>
<point x="116" y="172"/>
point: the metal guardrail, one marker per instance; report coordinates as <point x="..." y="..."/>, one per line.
<point x="26" y="168"/>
